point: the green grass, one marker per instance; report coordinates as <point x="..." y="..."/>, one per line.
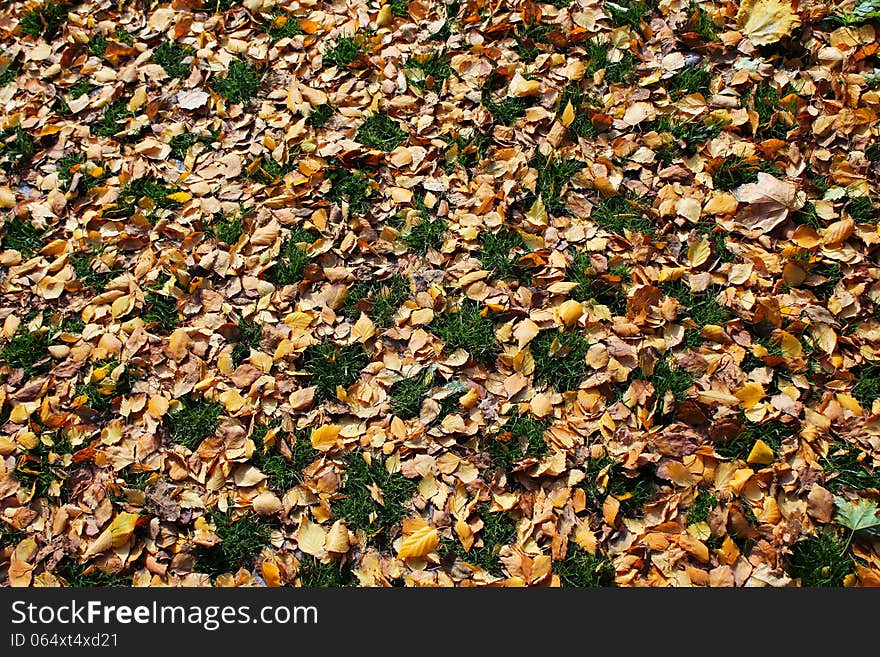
<point x="180" y="144"/>
<point x="226" y="229"/>
<point x="36" y="470"/>
<point x="45" y="20"/>
<point x="133" y="192"/>
<point x="701" y="307"/>
<point x="597" y="56"/>
<point x="380" y="299"/>
<point x="400" y="8"/>
<point x="293" y="258"/>
<point x="249" y="336"/>
<point x="584" y="570"/>
<point x="282" y="25"/>
<point x="316" y="575"/>
<point x="700" y="22"/>
<point x="606" y="289"/>
<point x="520" y="437"/>
<point x="684" y="137"/>
<point x="830" y="272"/>
<point x="97" y="45"/>
<point x="21" y="235"/>
<point x="466" y="149"/>
<point x="629" y="13"/>
<point x="498" y="530"/>
<point x="669" y="378"/>
<point x="350" y="187"/>
<point x="690" y="80"/>
<point x="85" y="266"/>
<point x="27" y="350"/>
<point x="560" y="359"/>
<point x="161" y="312"/>
<point x="123" y="36"/>
<point x="17" y="148"/>
<point x="407" y="395"/>
<point x="240" y="83"/>
<point x="847" y="467"/>
<point x="101" y="394"/>
<point x="196" y="419"/>
<point x="359" y="508"/>
<point x="268" y="171"/>
<point x="701" y="507"/>
<point x="346" y="51"/>
<point x="500" y="253"/>
<point x="820" y="561"/>
<point x="241" y="540"/>
<point x="767" y="102"/>
<point x="319" y="116"/>
<point x="528" y="37"/>
<point x="382" y="132"/>
<point x="554" y="173"/>
<point x="10" y="68"/>
<point x="631" y="491"/>
<point x="735" y="171"/>
<point x="427" y="233"/>
<point x="504" y="109"/>
<point x="581" y="103"/>
<point x="79" y="88"/>
<point x="329" y="365"/>
<point x="772" y="432"/>
<point x="110" y="121"/>
<point x="625" y="212"/>
<point x="866" y="387"/>
<point x="862" y="210"/>
<point x="283" y="473"/>
<point x="428" y="71"/>
<point x="468" y="328"/>
<point x="85" y="575"/>
<point x="718" y="240"/>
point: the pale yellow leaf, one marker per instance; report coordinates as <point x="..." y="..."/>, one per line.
<point x="699" y="252"/>
<point x="766" y="21"/>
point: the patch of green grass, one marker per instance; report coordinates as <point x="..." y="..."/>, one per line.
<point x="668" y="377"/>
<point x="820" y="561"/>
<point x="867" y="385"/>
<point x="97" y="45"/>
<point x="629" y="13"/>
<point x="767" y="102"/>
<point x="319" y="116"/>
<point x="718" y="239"/>
<point x="700" y="22"/>
<point x="21" y="235"/>
<point x="807" y="215"/>
<point x="133" y="192"/>
<point x="830" y="272"/>
<point x="282" y="25"/>
<point x="735" y="171"/>
<point x="701" y="307"/>
<point x="554" y="173"/>
<point x="503" y="108"/>
<point x="79" y="88"/>
<point x="584" y="570"/>
<point x="379" y="299"/>
<point x="528" y="36"/>
<point x="38" y="470"/>
<point x="240" y="83"/>
<point x="101" y="394"/>
<point x="350" y="187"/>
<point x="604" y="289"/>
<point x="581" y="102"/>
<point x="161" y="311"/>
<point x="293" y="258"/>
<point x="10" y="67"/>
<point x="407" y="395"/>
<point x="27" y="350"/>
<point x="500" y="253"/>
<point x="346" y="51"/>
<point x="17" y="148"/>
<point x="45" y="20"/>
<point x="283" y="473"/>
<point x="123" y="36"/>
<point x="466" y="148"/>
<point x="521" y="436"/>
<point x="560" y="359"/>
<point x="872" y="152"/>
<point x="360" y="509"/>
<point x="598" y="58"/>
<point x="249" y="336"/>
<point x="427" y="233"/>
<point x="84" y="575"/>
<point x="701" y="507"/>
<point x="685" y="137"/>
<point x="86" y="267"/>
<point x="690" y="80"/>
<point x="428" y="71"/>
<point x="772" y="432"/>
<point x="68" y="165"/>
<point x="219" y="6"/>
<point x="226" y="229"/>
<point x="862" y="210"/>
<point x="180" y="144"/>
<point x="242" y="538"/>
<point x="268" y="171"/>
<point x="316" y="575"/>
<point x="467" y="327"/>
<point x="623" y="212"/>
<point x="606" y="476"/>
<point x="329" y="365"/>
<point x="847" y="467"/>
<point x="382" y="132"/>
<point x="9" y="536"/>
<point x="110" y="121"/>
<point x="196" y="419"/>
<point x="498" y="530"/>
<point x="400" y="8"/>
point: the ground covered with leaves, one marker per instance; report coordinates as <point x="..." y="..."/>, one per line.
<point x="575" y="293"/>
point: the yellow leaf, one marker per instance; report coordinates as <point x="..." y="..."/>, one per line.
<point x="766" y="21"/>
<point x="180" y="197"/>
<point x="310" y="537"/>
<point x="232" y="400"/>
<point x="324" y="438"/>
<point x="271" y="574"/>
<point x="568" y="115"/>
<point x="761" y="453"/>
<point x="570" y="312"/>
<point x="122" y="528"/>
<point x="750" y="394"/>
<point x="521" y="87"/>
<point x="385" y="16"/>
<point x="837" y="232"/>
<point x="419" y="539"/>
<point x="790" y="345"/>
<point x="537" y="214"/>
<point x="363" y="329"/>
<point x="698" y="253"/>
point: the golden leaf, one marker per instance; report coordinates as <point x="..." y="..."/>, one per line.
<point x="537" y="214"/>
<point x="766" y="21"/>
<point x="419" y="539"/>
<point x="324" y="438"/>
<point x="568" y="115"/>
<point x="837" y="232"/>
<point x="698" y="253"/>
<point x="750" y="394"/>
<point x="271" y="574"/>
<point x="569" y="312"/>
<point x="761" y="453"/>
